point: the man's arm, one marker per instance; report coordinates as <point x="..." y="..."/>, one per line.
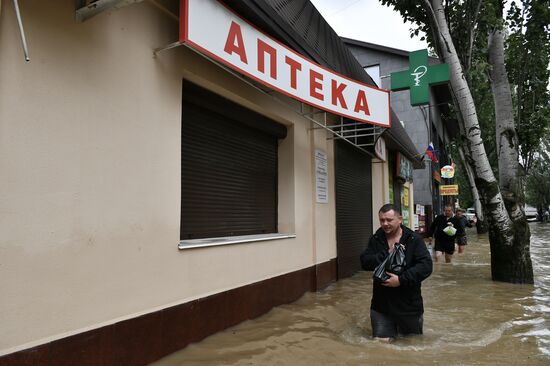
<point x="422" y="267"/>
<point x="433" y="226"/>
<point x="372" y="256"/>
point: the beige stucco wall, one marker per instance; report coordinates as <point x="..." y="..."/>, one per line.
<point x="90" y="176"/>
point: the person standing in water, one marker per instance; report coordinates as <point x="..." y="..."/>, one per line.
<point x="396" y="305"/>
<point x="444" y="229"/>
<point x="461" y="239"/>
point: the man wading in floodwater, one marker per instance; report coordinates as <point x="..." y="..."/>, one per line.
<point x="396" y="306"/>
<point x="444" y="229"/>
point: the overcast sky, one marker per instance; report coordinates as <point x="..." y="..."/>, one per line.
<point x="369" y="21"/>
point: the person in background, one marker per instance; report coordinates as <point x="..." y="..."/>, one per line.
<point x="396" y="305"/>
<point x="461" y="239"/>
<point x="444" y="229"/>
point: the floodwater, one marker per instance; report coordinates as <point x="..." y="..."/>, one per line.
<point x="468" y="320"/>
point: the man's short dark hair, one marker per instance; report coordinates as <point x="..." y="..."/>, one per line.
<point x="388" y="207"/>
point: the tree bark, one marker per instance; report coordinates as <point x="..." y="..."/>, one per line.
<point x="509" y="262"/>
<point x="518" y="263"/>
<point x="481" y="225"/>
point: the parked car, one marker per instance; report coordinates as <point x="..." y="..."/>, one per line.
<point x="531" y="213"/>
<point x="470" y="213"/>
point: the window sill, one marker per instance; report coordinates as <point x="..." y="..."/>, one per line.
<point x="228" y="240"/>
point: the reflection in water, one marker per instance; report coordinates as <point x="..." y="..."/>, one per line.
<point x="468" y="320"/>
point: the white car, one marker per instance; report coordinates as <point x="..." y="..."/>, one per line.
<point x="470" y="213"/>
<point x="531" y="213"/>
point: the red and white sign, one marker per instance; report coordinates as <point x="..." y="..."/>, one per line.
<point x="216" y="31"/>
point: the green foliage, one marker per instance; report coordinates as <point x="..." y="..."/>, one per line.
<point x="461" y="178"/>
<point x="538" y="182"/>
<point x="412" y="11"/>
<point x="469" y="24"/>
<point x="527" y="60"/>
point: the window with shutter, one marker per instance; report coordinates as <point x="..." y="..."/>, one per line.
<point x="228" y="168"/>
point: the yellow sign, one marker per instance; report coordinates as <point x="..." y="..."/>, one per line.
<point x="449" y="190"/>
<point x="405" y="204"/>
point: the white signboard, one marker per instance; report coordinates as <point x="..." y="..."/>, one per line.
<point x="216" y="31"/>
<point x="321" y="176"/>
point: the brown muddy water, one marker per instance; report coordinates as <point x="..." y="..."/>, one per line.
<point x="468" y="320"/>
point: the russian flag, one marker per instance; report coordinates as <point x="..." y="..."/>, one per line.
<point x="431" y="153"/>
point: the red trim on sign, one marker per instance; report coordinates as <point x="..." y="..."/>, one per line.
<point x="184" y="25"/>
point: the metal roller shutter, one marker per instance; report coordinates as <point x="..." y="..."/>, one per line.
<point x="229" y="173"/>
<point x="353" y="207"/>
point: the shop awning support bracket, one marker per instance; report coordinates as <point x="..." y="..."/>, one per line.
<point x="21" y="30"/>
<point x="156" y="51"/>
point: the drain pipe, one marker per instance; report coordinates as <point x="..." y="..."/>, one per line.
<point x="21" y="30"/>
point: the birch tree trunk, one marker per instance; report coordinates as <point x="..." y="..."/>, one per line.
<point x="481" y="224"/>
<point x="515" y="258"/>
<point x="509" y="261"/>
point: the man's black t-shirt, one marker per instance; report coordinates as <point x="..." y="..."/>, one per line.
<point x="440" y="223"/>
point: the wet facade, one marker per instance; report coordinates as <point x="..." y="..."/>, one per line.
<point x="152" y="199"/>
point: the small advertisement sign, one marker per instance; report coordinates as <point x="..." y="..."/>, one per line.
<point x="448" y="171"/>
<point x="420" y="215"/>
<point x="321" y="176"/>
<point x="449" y="190"/>
<point x="404" y="168"/>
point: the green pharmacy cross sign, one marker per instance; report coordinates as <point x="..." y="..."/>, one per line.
<point x="419" y="77"/>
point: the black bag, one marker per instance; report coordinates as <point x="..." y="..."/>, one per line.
<point x="394" y="263"/>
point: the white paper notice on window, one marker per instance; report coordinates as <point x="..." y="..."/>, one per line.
<point x="321" y="176"/>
